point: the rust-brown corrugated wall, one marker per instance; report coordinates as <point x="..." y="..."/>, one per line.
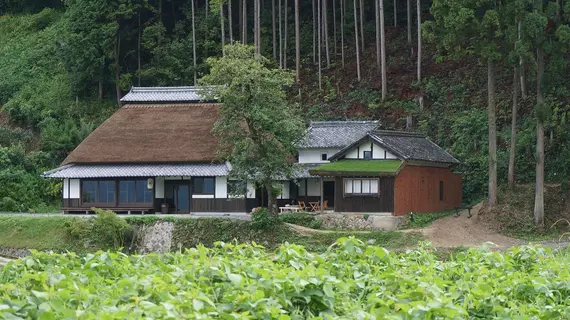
<point x="417" y="189"/>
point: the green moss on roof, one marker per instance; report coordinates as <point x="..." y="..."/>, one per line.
<point x="359" y="166"/>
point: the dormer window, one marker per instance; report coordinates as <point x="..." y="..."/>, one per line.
<point x="367" y="155"/>
<point x="324" y="156"/>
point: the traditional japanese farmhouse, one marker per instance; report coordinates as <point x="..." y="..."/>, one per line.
<point x="157" y="154"/>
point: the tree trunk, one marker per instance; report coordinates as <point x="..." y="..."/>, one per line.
<point x="314" y="35"/>
<point x="244" y="21"/>
<point x="395" y="14"/>
<point x="409" y="123"/>
<point x="271" y="200"/>
<point x="513" y="151"/>
<point x="100" y="94"/>
<point x="222" y="26"/>
<point x="118" y="69"/>
<point x="356" y="41"/>
<point x="334" y="30"/>
<point x="521" y="69"/>
<point x="207" y="9"/>
<point x="409" y="22"/>
<point x="230" y="24"/>
<point x="240" y="20"/>
<point x="383" y="51"/>
<point x="194" y="43"/>
<point x="280" y="37"/>
<point x="319" y="44"/>
<point x="326" y="29"/>
<point x="539" y="188"/>
<point x="342" y="23"/>
<point x="419" y="42"/>
<point x="492" y="133"/>
<point x="258" y="26"/>
<point x="377" y="20"/>
<point x="297" y="43"/>
<point x="273" y="30"/>
<point x="286" y="26"/>
<point x="255" y="29"/>
<point x="362" y="23"/>
<point x="139" y="51"/>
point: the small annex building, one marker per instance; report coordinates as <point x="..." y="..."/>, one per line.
<point x="157" y="153"/>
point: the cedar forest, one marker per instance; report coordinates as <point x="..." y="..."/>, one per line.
<point x="487" y="80"/>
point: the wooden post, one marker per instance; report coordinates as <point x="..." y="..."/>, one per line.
<point x="322" y="194"/>
<point x="306" y="191"/>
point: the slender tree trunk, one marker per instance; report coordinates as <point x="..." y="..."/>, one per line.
<point x="286" y="37"/>
<point x="314" y="34"/>
<point x="395" y="13"/>
<point x="240" y="20"/>
<point x="273" y="30"/>
<point x="280" y="37"/>
<point x="521" y="69"/>
<point x="383" y="51"/>
<point x="255" y="37"/>
<point x="100" y="94"/>
<point x="271" y="199"/>
<point x="244" y="21"/>
<point x="230" y="24"/>
<point x="409" y="6"/>
<point x="207" y="9"/>
<point x="539" y="188"/>
<point x="326" y="28"/>
<point x="356" y="40"/>
<point x="319" y="45"/>
<point x="335" y="53"/>
<point x="492" y="133"/>
<point x="297" y="43"/>
<point x="419" y="42"/>
<point x="258" y="26"/>
<point x="377" y="20"/>
<point x="362" y="23"/>
<point x="342" y="23"/>
<point x="139" y="51"/>
<point x="513" y="150"/>
<point x="194" y="43"/>
<point x="118" y="69"/>
<point x="222" y="27"/>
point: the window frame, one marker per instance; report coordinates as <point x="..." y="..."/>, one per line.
<point x="360" y="194"/>
<point x="201" y="192"/>
<point x="97" y="202"/>
<point x="324" y="155"/>
<point x="441" y="191"/>
<point x="364" y="155"/>
<point x="130" y="204"/>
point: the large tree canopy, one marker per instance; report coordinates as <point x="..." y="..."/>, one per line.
<point x="258" y="129"/>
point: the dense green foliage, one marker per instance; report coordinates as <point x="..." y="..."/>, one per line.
<point x="105" y="231"/>
<point x="302" y="219"/>
<point x="246" y="281"/>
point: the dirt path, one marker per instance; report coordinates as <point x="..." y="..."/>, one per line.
<point x="454" y="231"/>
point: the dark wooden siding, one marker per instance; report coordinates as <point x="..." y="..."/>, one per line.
<point x="383" y="203"/>
<point x="218" y="205"/>
<point x="417" y="190"/>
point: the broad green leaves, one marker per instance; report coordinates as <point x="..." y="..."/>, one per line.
<point x="349" y="281"/>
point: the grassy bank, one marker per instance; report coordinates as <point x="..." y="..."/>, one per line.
<point x="41" y="233"/>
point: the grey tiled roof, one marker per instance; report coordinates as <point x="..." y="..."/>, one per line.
<point x="77" y="171"/>
<point x="412" y="146"/>
<point x="164" y="94"/>
<point x="301" y="170"/>
<point x="336" y="134"/>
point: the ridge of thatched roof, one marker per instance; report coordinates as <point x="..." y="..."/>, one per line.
<point x="152" y="133"/>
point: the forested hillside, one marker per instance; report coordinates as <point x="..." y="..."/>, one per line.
<point x="63" y="65"/>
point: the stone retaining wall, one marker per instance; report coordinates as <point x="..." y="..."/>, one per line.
<point x="154" y="238"/>
<point x="352" y="221"/>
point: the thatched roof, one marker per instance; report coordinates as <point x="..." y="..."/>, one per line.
<point x="152" y="133"/>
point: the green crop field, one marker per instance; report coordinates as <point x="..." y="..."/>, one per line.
<point x="351" y="280"/>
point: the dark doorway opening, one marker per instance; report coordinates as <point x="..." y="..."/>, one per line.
<point x="328" y="193"/>
<point x="178" y="195"/>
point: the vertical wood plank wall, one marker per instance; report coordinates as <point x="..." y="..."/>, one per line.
<point x="383" y="203"/>
<point x="417" y="190"/>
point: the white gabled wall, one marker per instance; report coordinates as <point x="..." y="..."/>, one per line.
<point x="314" y="155"/>
<point x="377" y="151"/>
<point x="71" y="189"/>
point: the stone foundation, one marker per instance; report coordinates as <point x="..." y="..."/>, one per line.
<point x="359" y="221"/>
<point x="155" y="238"/>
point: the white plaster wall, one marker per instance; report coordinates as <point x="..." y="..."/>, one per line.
<point x="377" y="152"/>
<point x="202" y="196"/>
<point x="159" y="187"/>
<point x="301" y="187"/>
<point x="221" y="187"/>
<point x="65" y="188"/>
<point x="313" y="187"/>
<point x="250" y="190"/>
<point x="74" y="189"/>
<point x="314" y="155"/>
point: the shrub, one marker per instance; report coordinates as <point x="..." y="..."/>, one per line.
<point x="301" y="219"/>
<point x="262" y="220"/>
<point x="109" y="230"/>
<point x="77" y="229"/>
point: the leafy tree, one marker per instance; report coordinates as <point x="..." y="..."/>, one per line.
<point x="472" y="27"/>
<point x="258" y="130"/>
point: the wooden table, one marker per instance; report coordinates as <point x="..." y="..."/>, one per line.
<point x="290" y="208"/>
<point x="315" y="206"/>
